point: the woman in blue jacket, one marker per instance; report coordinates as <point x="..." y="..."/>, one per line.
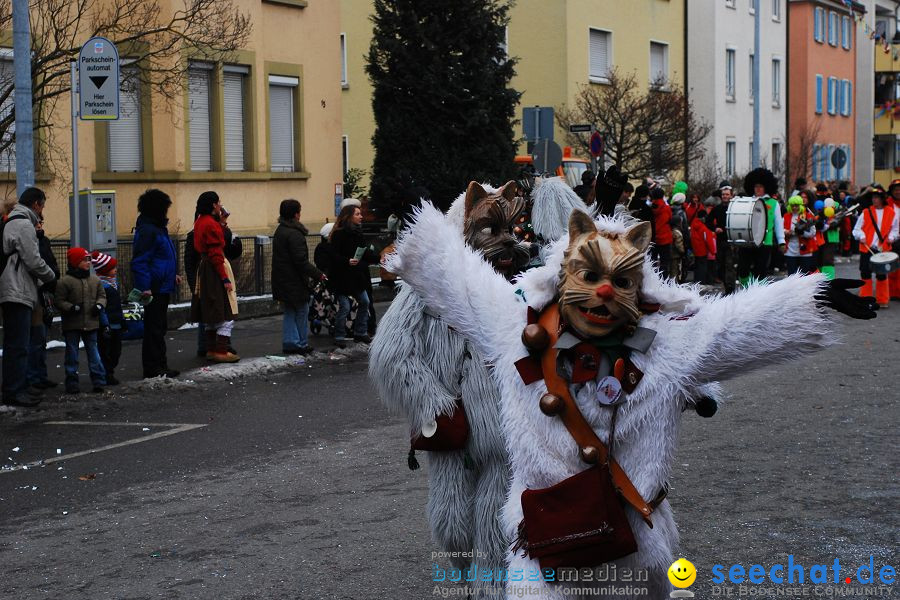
<point x="153" y="265"/>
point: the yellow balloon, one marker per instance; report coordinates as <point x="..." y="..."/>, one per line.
<point x="829" y="211"/>
<point x="682" y="573"/>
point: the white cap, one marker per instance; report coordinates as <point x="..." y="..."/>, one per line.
<point x="349" y="202"/>
<point x="678" y="198"/>
<point x="326" y="229"/>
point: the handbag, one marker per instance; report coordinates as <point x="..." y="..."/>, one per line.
<point x="579" y="522"/>
<point x="451" y="434"/>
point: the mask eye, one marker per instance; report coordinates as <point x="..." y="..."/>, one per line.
<point x="590" y="276"/>
<point x="623" y="283"/>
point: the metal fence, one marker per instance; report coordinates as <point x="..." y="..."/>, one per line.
<point x="252" y="270"/>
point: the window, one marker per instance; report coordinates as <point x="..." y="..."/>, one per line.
<point x="776" y="156"/>
<point x="752" y="6"/>
<point x="7" y="79"/>
<point x="344" y="59"/>
<point x="730" y="158"/>
<point x="846" y="97"/>
<point x="882" y="26"/>
<point x="235" y="77"/>
<point x="281" y="121"/>
<point x="819" y="94"/>
<point x="345" y="154"/>
<point x="819" y="27"/>
<point x="833" y="91"/>
<point x="776" y="82"/>
<point x="729" y="3"/>
<point x="600" y="55"/>
<point x="832" y="28"/>
<point x="776" y="10"/>
<point x="199" y="75"/>
<point x="846" y="33"/>
<point x="124" y="139"/>
<point x="750" y="84"/>
<point x="659" y="64"/>
<point x="729" y="73"/>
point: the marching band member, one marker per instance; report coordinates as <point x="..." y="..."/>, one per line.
<point x="800" y="232"/>
<point x="876" y="229"/>
<point x="762" y="184"/>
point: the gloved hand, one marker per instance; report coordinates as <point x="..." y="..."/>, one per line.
<point x="95" y="310"/>
<point x="835" y="295"/>
<point x="76" y="309"/>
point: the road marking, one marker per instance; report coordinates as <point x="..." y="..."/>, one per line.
<point x="176" y="428"/>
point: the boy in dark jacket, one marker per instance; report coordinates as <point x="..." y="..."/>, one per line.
<point x="111" y="318"/>
<point x="80" y="299"/>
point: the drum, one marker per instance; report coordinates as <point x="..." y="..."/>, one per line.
<point x="884" y="263"/>
<point x="745" y="222"/>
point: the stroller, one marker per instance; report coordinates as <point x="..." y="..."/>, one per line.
<point x="323" y="308"/>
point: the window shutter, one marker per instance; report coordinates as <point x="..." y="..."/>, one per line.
<point x="125" y="152"/>
<point x="849" y="98"/>
<point x="848" y="171"/>
<point x="233" y="97"/>
<point x="281" y="127"/>
<point x="7" y="80"/>
<point x="819" y="94"/>
<point x="199" y="115"/>
<point x="599" y="49"/>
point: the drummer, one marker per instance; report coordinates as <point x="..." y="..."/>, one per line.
<point x="876" y="229"/>
<point x="762" y="185"/>
<point x="800" y="232"/>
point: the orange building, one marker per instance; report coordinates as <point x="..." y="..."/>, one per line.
<point x="821" y="84"/>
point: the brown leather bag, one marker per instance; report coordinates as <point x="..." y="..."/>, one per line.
<point x="452" y="432"/>
<point x="579" y="522"/>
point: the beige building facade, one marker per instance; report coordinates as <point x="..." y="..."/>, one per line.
<point x="262" y="128"/>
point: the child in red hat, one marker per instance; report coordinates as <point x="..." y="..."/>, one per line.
<point x="80" y="298"/>
<point x="109" y="342"/>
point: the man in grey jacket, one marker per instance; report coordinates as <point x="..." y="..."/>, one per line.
<point x="19" y="294"/>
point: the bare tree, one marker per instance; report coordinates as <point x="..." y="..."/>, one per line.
<point x="798" y="161"/>
<point x="652" y="132"/>
<point x="158" y="39"/>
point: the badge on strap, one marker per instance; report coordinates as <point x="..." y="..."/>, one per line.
<point x="609" y="391"/>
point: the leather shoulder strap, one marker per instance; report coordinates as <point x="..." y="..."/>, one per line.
<point x="575" y="423"/>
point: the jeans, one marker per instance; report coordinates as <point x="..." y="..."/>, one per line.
<point x="294" y="326"/>
<point x="360" y="324"/>
<point x="98" y="374"/>
<point x="16" y="336"/>
<point x="37" y="355"/>
<point x="153" y="349"/>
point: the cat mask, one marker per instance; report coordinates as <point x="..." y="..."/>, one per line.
<point x="489" y="222"/>
<point x="601" y="277"/>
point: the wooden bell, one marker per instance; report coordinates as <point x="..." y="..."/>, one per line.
<point x="535" y="337"/>
<point x="551" y="405"/>
<point x="590" y="455"/>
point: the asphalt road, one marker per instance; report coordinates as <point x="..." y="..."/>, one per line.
<point x="294" y="484"/>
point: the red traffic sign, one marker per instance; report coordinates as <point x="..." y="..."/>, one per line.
<point x="596" y="144"/>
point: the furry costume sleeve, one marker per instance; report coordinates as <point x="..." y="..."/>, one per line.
<point x="409" y="379"/>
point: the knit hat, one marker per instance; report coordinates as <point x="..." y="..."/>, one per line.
<point x="326" y="229"/>
<point x="349" y="202"/>
<point x="75" y="255"/>
<point x="677" y="199"/>
<point x="103" y="263"/>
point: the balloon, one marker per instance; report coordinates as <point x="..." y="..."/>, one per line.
<point x="829" y="211"/>
<point x="830" y="202"/>
<point x="819" y="205"/>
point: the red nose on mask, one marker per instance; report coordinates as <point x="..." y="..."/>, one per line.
<point x="605" y="292"/>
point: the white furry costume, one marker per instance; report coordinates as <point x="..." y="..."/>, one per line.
<point x="725" y="336"/>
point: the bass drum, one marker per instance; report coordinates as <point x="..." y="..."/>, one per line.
<point x="745" y="222"/>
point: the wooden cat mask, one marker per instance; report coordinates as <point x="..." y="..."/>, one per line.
<point x="601" y="277"/>
<point x="489" y="222"/>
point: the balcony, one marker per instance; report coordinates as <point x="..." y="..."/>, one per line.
<point x="885" y="61"/>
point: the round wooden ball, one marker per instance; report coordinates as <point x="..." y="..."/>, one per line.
<point x="535" y="337"/>
<point x="590" y="455"/>
<point x="551" y="405"/>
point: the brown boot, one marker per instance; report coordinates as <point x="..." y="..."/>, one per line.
<point x="222" y="353"/>
<point x="210" y="342"/>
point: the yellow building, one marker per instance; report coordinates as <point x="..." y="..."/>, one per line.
<point x="258" y="130"/>
<point x="560" y="45"/>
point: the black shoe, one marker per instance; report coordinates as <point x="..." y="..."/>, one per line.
<point x="72" y="389"/>
<point x="305" y="350"/>
<point x="45" y="385"/>
<point x="170" y="373"/>
<point x="201" y="353"/>
<point x="110" y="380"/>
<point x="363" y="339"/>
<point x="292" y="351"/>
<point x="23" y="400"/>
<point x="34" y="391"/>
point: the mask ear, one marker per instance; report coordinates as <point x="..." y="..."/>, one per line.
<point x="579" y="224"/>
<point x="639" y="235"/>
<point x="474" y="194"/>
<point x="508" y="190"/>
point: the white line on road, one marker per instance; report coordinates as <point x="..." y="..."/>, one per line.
<point x="177" y="428"/>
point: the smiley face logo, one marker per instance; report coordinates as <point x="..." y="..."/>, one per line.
<point x="682" y="573"/>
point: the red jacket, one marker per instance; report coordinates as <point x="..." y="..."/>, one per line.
<point x="662" y="215"/>
<point x="209" y="242"/>
<point x="703" y="240"/>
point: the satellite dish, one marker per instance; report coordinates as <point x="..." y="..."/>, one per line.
<point x="547" y="156"/>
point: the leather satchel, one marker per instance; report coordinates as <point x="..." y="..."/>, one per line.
<point x="452" y="432"/>
<point x="579" y="522"/>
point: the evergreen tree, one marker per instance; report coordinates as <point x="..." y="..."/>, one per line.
<point x="443" y="108"/>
